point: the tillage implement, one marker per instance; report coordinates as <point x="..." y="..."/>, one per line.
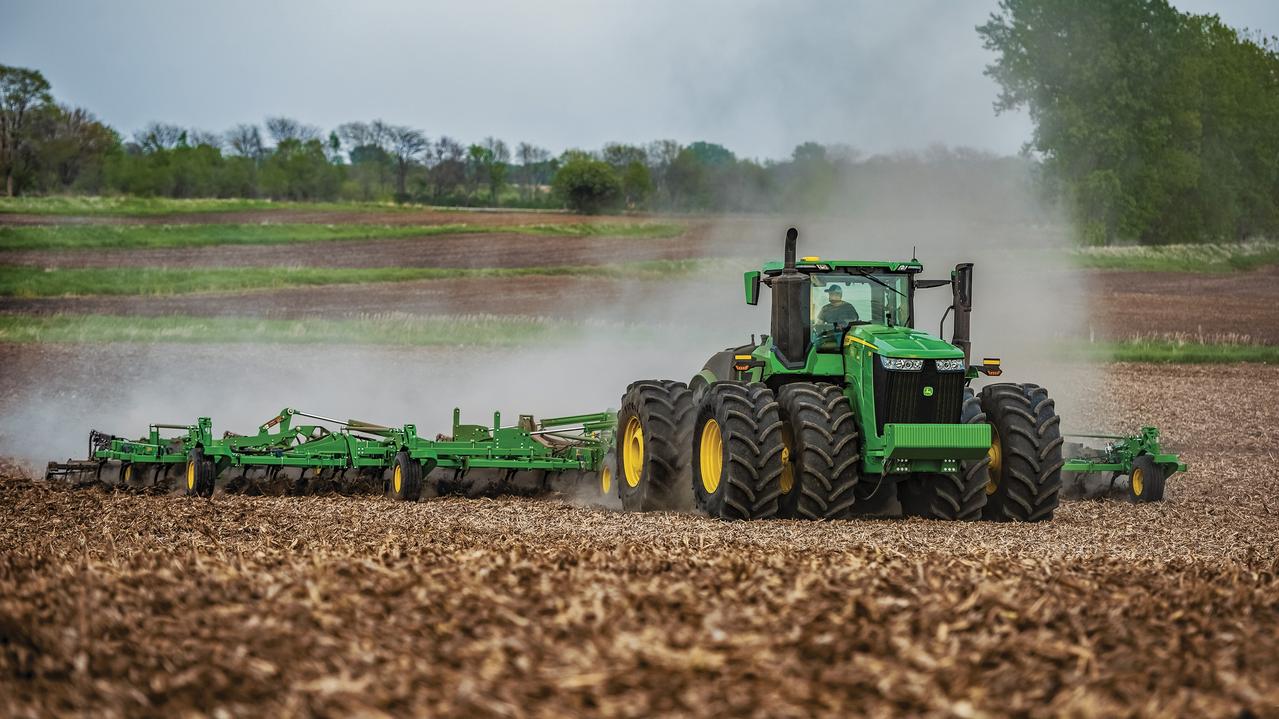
<point x="844" y="409"/>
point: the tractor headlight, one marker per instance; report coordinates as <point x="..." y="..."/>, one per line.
<point x="900" y="364"/>
<point x="950" y="365"/>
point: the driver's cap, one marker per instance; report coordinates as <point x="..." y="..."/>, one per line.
<point x="833" y="289"/>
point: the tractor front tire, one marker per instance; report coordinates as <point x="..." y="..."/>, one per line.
<point x="1146" y="483"/>
<point x="405" y="484"/>
<point x="654" y="441"/>
<point x="956" y="497"/>
<point x="737" y="449"/>
<point x="198" y="477"/>
<point x="1024" y="468"/>
<point x="821" y="453"/>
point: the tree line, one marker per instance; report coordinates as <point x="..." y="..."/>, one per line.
<point x="52" y="148"/>
<point x="1152" y="124"/>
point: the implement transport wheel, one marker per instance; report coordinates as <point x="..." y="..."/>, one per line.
<point x="1146" y="483"/>
<point x="737" y="450"/>
<point x="821" y="452"/>
<point x="405" y="483"/>
<point x="956" y="497"/>
<point x="608" y="474"/>
<point x="197" y="477"/>
<point x="655" y="425"/>
<point x="1024" y="468"/>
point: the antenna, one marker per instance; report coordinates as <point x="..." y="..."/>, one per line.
<point x="913" y="254"/>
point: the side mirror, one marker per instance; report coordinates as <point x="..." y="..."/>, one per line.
<point x="752" y="287"/>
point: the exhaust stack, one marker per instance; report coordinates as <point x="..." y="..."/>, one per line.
<point x="791" y="312"/>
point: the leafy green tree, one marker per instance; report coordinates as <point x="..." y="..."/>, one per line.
<point x="1157" y="125"/>
<point x="21" y="92"/>
<point x="587" y="185"/>
<point x="637" y="183"/>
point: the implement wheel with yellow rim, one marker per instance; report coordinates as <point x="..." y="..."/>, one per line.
<point x="1146" y="483"/>
<point x="198" y="476"/>
<point x="737" y="452"/>
<point x="654" y="429"/>
<point x="404" y="480"/>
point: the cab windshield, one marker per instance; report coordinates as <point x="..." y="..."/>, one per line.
<point x="842" y="300"/>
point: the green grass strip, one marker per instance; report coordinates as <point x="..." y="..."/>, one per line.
<point x="481" y="330"/>
<point x="390" y="330"/>
<point x="1180" y="258"/>
<point x="158" y="206"/>
<point x="1173" y="352"/>
<point x="73" y="237"/>
<point x="29" y="283"/>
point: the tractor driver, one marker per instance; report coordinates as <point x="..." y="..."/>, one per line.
<point x="837" y="311"/>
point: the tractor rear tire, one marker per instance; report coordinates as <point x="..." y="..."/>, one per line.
<point x="197" y="480"/>
<point x="405" y="482"/>
<point x="956" y="497"/>
<point x="654" y="441"/>
<point x="1146" y="483"/>
<point x="737" y="445"/>
<point x="822" y="452"/>
<point x="1025" y="461"/>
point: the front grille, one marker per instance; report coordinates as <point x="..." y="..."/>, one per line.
<point x="899" y="396"/>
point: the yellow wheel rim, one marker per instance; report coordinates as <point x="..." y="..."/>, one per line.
<point x="128" y="474"/>
<point x="633" y="450"/>
<point x="996" y="455"/>
<point x="1138" y="482"/>
<point x="711" y="455"/>
<point x="190" y="475"/>
<point x="788" y="469"/>
<point x="397" y="479"/>
<point x="606" y="480"/>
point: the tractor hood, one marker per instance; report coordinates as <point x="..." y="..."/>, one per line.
<point x="902" y="342"/>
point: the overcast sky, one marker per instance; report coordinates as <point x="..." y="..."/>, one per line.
<point x="758" y="77"/>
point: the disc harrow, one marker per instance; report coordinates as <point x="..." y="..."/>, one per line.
<point x="290" y="456"/>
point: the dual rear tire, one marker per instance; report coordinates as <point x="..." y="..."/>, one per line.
<point x="745" y="452"/>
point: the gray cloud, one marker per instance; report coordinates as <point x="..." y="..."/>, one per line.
<point x="757" y="76"/>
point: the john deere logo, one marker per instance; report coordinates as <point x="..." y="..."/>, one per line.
<point x="928" y="391"/>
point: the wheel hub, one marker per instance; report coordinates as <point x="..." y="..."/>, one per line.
<point x="711" y="455"/>
<point x="633" y="451"/>
<point x="996" y="455"/>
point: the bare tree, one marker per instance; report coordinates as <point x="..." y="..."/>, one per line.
<point x="448" y="168"/>
<point x="159" y="136"/>
<point x="198" y="137"/>
<point x="282" y="129"/>
<point x="245" y="141"/>
<point x="406" y="145"/>
<point x="530" y="157"/>
<point x="21" y="91"/>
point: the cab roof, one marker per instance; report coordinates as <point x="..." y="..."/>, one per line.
<point x="817" y="264"/>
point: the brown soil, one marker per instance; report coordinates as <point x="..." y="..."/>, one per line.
<point x="1241" y="303"/>
<point x="535" y="296"/>
<point x="123" y="605"/>
<point x="474" y="250"/>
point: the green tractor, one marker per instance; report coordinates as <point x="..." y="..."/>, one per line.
<point x="845" y="409"/>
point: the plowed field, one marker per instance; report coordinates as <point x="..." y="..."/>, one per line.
<point x="115" y="604"/>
